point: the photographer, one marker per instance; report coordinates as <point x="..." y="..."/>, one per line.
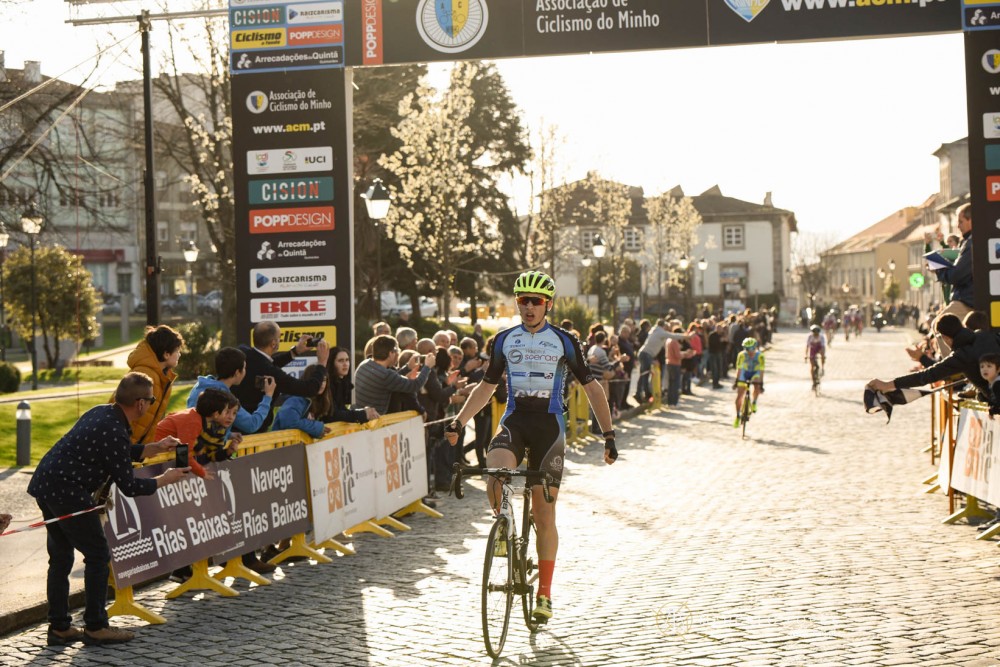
<point x="376" y="379"/>
<point x="230" y="370"/>
<point x="98" y="448"/>
<point x="264" y="359"/>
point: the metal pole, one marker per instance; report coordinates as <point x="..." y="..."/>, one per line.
<point x="3" y="307"/>
<point x="23" y="415"/>
<point x="599" y="280"/>
<point x="152" y="265"/>
<point x="378" y="270"/>
<point x="34" y="308"/>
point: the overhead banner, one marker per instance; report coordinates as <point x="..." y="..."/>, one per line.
<point x="383" y="32"/>
<point x="291" y="101"/>
<point x="253" y="501"/>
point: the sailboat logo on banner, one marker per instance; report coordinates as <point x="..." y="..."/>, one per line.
<point x="747" y="9"/>
<point x="452" y="26"/>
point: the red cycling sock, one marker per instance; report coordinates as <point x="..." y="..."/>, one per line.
<point x="545" y="568"/>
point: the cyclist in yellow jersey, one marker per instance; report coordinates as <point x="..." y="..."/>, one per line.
<point x="749" y="370"/>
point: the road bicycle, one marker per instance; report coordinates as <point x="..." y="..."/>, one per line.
<point x="507" y="569"/>
<point x="817" y="374"/>
<point x="745" y="409"/>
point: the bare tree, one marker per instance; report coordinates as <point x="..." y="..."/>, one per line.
<point x="673" y="225"/>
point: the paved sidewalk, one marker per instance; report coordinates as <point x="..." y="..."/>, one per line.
<point x="807" y="544"/>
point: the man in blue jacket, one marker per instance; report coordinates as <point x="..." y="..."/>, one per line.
<point x="230" y="369"/>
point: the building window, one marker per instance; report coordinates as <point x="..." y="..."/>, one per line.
<point x="587" y="240"/>
<point x="189" y="233"/>
<point x="633" y="239"/>
<point x="162" y="232"/>
<point x="732" y="237"/>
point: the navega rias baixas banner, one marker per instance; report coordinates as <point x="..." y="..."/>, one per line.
<point x="253" y="501"/>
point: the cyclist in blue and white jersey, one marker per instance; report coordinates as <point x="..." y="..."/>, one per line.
<point x="538" y="358"/>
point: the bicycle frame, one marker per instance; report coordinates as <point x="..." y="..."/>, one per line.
<point x="522" y="575"/>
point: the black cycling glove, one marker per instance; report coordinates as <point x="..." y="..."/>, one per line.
<point x="453" y="427"/>
<point x="609" y="445"/>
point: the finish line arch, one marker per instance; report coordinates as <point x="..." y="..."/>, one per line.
<point x="292" y="100"/>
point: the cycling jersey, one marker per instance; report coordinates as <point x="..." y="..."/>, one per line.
<point x="747" y="369"/>
<point x="816" y="347"/>
<point x="537" y="366"/>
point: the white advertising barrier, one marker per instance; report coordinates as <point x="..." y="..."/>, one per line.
<point x="400" y="461"/>
<point x="341" y="487"/>
<point x="976" y="470"/>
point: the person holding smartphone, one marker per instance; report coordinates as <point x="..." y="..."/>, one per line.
<point x="265" y="359"/>
<point x="98" y="448"/>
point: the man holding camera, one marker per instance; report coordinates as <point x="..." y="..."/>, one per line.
<point x="264" y="364"/>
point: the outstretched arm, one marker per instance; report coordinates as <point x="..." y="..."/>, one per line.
<point x="599" y="402"/>
<point x="477" y="400"/>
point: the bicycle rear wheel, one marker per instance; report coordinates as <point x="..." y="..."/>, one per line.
<point x="498" y="589"/>
<point x="745" y="412"/>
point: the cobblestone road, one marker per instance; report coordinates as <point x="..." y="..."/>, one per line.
<point x="807" y="544"/>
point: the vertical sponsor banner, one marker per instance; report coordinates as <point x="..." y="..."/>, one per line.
<point x="976" y="470"/>
<point x="152" y="535"/>
<point x="982" y="76"/>
<point x="341" y="490"/>
<point x="265" y="496"/>
<point x="400" y="465"/>
<point x="292" y="169"/>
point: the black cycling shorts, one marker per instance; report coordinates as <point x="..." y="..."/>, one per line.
<point x="541" y="434"/>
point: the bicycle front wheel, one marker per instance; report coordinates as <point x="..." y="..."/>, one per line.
<point x="498" y="587"/>
<point x="746" y="411"/>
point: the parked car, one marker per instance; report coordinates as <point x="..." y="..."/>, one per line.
<point x="395" y="303"/>
<point x="210" y="303"/>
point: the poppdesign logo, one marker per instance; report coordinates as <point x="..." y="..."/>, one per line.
<point x="257" y="102"/>
<point x="747" y="10"/>
<point x="278" y="220"/>
<point x="452" y="26"/>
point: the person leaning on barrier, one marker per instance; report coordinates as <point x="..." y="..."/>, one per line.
<point x="230" y="371"/>
<point x="264" y="360"/>
<point x="98" y="448"/>
<point x="966" y="349"/>
<point x="156" y="355"/>
<point x="206" y="426"/>
<point x="376" y="379"/>
<point x="339" y="389"/>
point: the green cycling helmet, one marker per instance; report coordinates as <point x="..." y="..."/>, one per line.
<point x="534" y="282"/>
<point x="749" y="343"/>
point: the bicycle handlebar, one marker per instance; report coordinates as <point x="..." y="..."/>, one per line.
<point x="529" y="475"/>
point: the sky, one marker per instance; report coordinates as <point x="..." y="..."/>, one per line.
<point x="841" y="133"/>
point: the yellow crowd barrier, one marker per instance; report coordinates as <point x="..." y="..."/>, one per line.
<point x="124" y="598"/>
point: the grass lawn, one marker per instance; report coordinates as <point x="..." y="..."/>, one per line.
<point x="51" y="419"/>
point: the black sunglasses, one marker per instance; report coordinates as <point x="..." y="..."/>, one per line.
<point x="148" y="399"/>
<point x="531" y="300"/>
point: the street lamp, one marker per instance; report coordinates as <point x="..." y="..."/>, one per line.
<point x="4" y="237"/>
<point x="377" y="203"/>
<point x="191" y="256"/>
<point x="31" y="224"/>
<point x="599" y="249"/>
<point x="892" y="265"/>
<point x="702" y="265"/>
<point x="685" y="263"/>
